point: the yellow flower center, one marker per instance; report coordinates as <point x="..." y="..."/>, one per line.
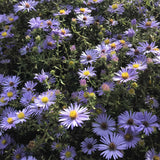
<point x="125" y="75"/>
<point x="85" y="95"/>
<point x="73" y="114"/>
<point x="92" y="94"/>
<point x="86" y="73"/>
<point x="134" y="85"/>
<point x="58" y="145"/>
<point x="71" y="63"/>
<point x="63" y="31"/>
<point x="122" y="41"/>
<point x="107" y="41"/>
<point x="94" y="0"/>
<point x="62" y="11"/>
<point x="113" y="52"/>
<point x="11" y="19"/>
<point x="33" y="98"/>
<point x="2" y="100"/>
<point x="113" y="45"/>
<point x="3" y="141"/>
<point x="21" y="115"/>
<point x="156" y="49"/>
<point x="148" y="23"/>
<point x="111" y="21"/>
<point x="156" y="157"/>
<point x="68" y="154"/>
<point x="18" y="156"/>
<point x="135" y="65"/>
<point x="10" y="94"/>
<point x="10" y="120"/>
<point x="50" y="44"/>
<point x="114" y="6"/>
<point x="82" y="9"/>
<point x="45" y="99"/>
<point x="4" y="34"/>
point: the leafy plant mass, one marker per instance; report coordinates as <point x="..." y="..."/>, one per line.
<point x="79" y="79"/>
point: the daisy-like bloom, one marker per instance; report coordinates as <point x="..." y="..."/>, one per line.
<point x="73" y="116"/>
<point x="18" y="153"/>
<point x="88" y="57"/>
<point x="133" y="52"/>
<point x="41" y="77"/>
<point x="3" y="102"/>
<point x="5" y="140"/>
<point x="36" y="23"/>
<point x="45" y="100"/>
<point x="6" y="34"/>
<point x="29" y="87"/>
<point x="131" y="138"/>
<point x="28" y="158"/>
<point x="82" y="10"/>
<point x="86" y="73"/>
<point x="102" y="49"/>
<point x="130" y="32"/>
<point x="146" y="122"/>
<point x="152" y="155"/>
<point x="27" y="98"/>
<point x="49" y="43"/>
<point x="89" y="145"/>
<point x="103" y="125"/>
<point x="63" y="33"/>
<point x="22" y="116"/>
<point x="147" y="48"/>
<point x="51" y="23"/>
<point x="147" y="23"/>
<point x="112" y="146"/>
<point x="151" y="101"/>
<point x="95" y="1"/>
<point x="68" y="153"/>
<point x="105" y="88"/>
<point x="11" y="82"/>
<point x="128" y="121"/>
<point x="56" y="146"/>
<point x="125" y="75"/>
<point x="116" y="45"/>
<point x="65" y="10"/>
<point x="33" y="109"/>
<point x="25" y="5"/>
<point x="85" y="20"/>
<point x="11" y="18"/>
<point x="8" y="121"/>
<point x="116" y="8"/>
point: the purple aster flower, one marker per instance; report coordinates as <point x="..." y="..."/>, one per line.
<point x="112" y="146"/>
<point x="45" y="99"/>
<point x="125" y="75"/>
<point x="128" y="120"/>
<point x="51" y="23"/>
<point x="131" y="138"/>
<point x="63" y="33"/>
<point x="152" y="155"/>
<point x="3" y="102"/>
<point x="6" y="34"/>
<point x="146" y="47"/>
<point x="151" y="101"/>
<point x="8" y="121"/>
<point x="68" y="153"/>
<point x="99" y="19"/>
<point x="133" y="22"/>
<point x="85" y="20"/>
<point x="133" y="52"/>
<point x="49" y="43"/>
<point x="89" y="145"/>
<point x="146" y="122"/>
<point x="86" y="73"/>
<point x="29" y="87"/>
<point x="36" y="23"/>
<point x="88" y="56"/>
<point x="116" y="45"/>
<point x="18" y="153"/>
<point x="5" y="141"/>
<point x="2" y="18"/>
<point x="82" y="10"/>
<point x="65" y="10"/>
<point x="105" y="88"/>
<point x="28" y="158"/>
<point x="102" y="49"/>
<point x="25" y="5"/>
<point x="27" y="48"/>
<point x="73" y="116"/>
<point x="95" y="1"/>
<point x="11" y="82"/>
<point x="130" y="32"/>
<point x="33" y="109"/>
<point x="103" y="125"/>
<point x="116" y="8"/>
<point x="147" y="23"/>
<point x="41" y="77"/>
<point x="11" y="18"/>
<point x="56" y="146"/>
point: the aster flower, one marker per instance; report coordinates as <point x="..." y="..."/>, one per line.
<point x="103" y="125"/>
<point x="152" y="155"/>
<point x="18" y="153"/>
<point x="85" y="20"/>
<point x="5" y="141"/>
<point x="36" y="23"/>
<point x="116" y="8"/>
<point x="86" y="73"/>
<point x="11" y="18"/>
<point x="41" y="77"/>
<point x="105" y="88"/>
<point x="130" y="32"/>
<point x="3" y="102"/>
<point x="131" y="138"/>
<point x="68" y="153"/>
<point x="151" y="101"/>
<point x="146" y="122"/>
<point x="73" y="116"/>
<point x="147" y="23"/>
<point x="45" y="100"/>
<point x="49" y="43"/>
<point x="82" y="10"/>
<point x="102" y="49"/>
<point x="25" y="5"/>
<point x="116" y="45"/>
<point x="89" y="145"/>
<point x="65" y="10"/>
<point x="63" y="33"/>
<point x="33" y="109"/>
<point x="125" y="75"/>
<point x="51" y="23"/>
<point x="29" y="87"/>
<point x="89" y="56"/>
<point x="133" y="51"/>
<point x="28" y="158"/>
<point x="128" y="121"/>
<point x="6" y="34"/>
<point x="112" y="146"/>
<point x="95" y="1"/>
<point x="56" y="146"/>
